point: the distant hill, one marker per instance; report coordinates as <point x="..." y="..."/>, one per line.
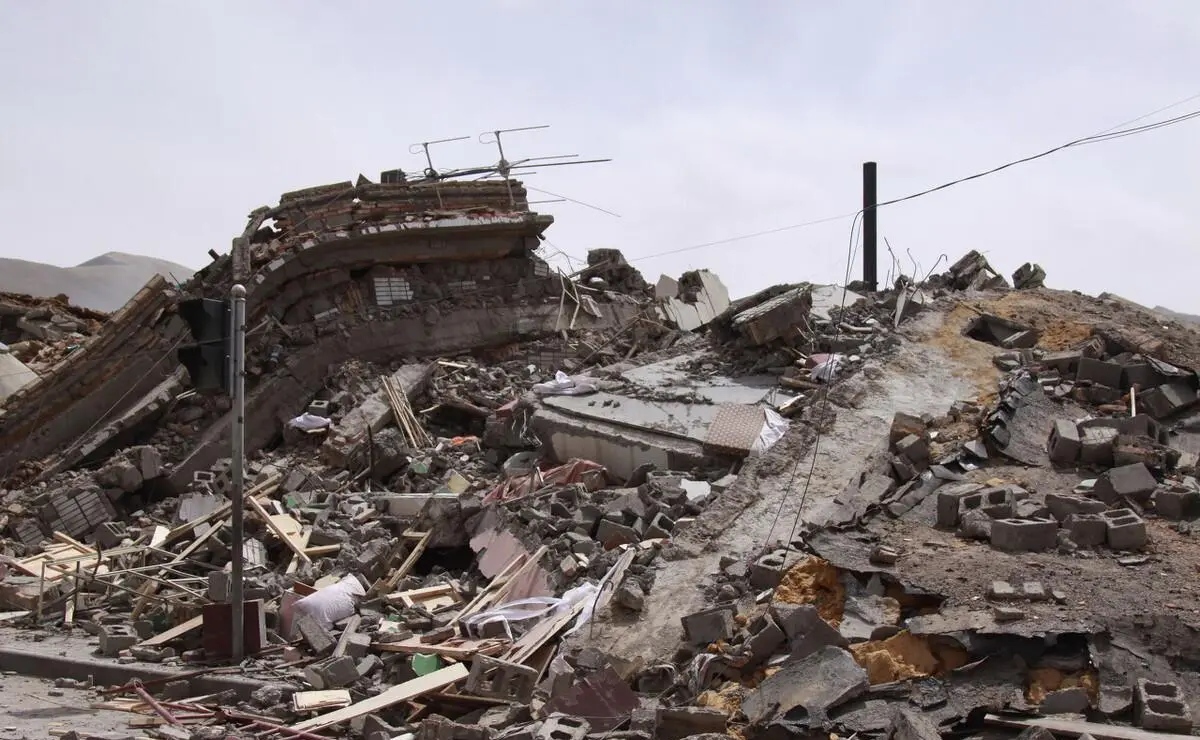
<point x="103" y="283"/>
<point x="1183" y="318"/>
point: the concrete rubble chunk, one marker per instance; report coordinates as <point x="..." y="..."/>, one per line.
<point x="910" y="725"/>
<point x="819" y="682"/>
<point x="1134" y="482"/>
<point x="805" y="630"/>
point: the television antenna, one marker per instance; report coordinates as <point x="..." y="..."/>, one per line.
<point x="432" y="174"/>
<point x="503" y="167"/>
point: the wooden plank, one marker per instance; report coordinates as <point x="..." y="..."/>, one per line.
<point x="457" y="648"/>
<point x="540" y="634"/>
<point x="351" y="626"/>
<point x="386" y="587"/>
<point x="178" y="630"/>
<point x="432" y="598"/>
<point x="281" y="531"/>
<point x="394" y="695"/>
<point x="302" y="541"/>
<point x="315" y="701"/>
<point x="159" y="536"/>
<point x="322" y="550"/>
<point x="1075" y="728"/>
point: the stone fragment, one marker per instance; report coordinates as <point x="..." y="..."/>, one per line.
<point x="1135" y="482"/>
<point x="1065" y="701"/>
<point x="818" y="682"/>
<point x="709" y="626"/>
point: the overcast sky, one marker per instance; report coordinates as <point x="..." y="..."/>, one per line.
<point x="155" y="127"/>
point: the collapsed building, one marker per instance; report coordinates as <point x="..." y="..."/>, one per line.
<point x="489" y="500"/>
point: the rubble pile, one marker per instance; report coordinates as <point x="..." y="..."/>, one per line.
<point x="40" y="332"/>
<point x="467" y="475"/>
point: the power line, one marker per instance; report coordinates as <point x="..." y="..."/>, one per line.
<point x="1116" y="132"/>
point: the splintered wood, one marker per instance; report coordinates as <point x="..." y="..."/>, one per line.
<point x="414" y="432"/>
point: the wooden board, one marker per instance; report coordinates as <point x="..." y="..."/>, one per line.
<point x="315" y="701"/>
<point x="178" y="630"/>
<point x="456" y="648"/>
<point x="396" y="694"/>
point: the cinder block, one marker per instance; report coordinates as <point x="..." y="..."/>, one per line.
<point x="1064" y="444"/>
<point x="1126" y="530"/>
<point x="1024" y="535"/>
<point x="709" y="626"/>
<point x="1063" y="505"/>
<point x="1166" y="400"/>
<point x="660" y="527"/>
<point x="497" y="679"/>
<point x="1100" y="372"/>
<point x="1176" y="504"/>
<point x="1087" y="530"/>
<point x="1133" y="481"/>
<point x="767" y="571"/>
<point x="114" y="638"/>
<point x="319" y="408"/>
<point x="1096" y="446"/>
<point x="1161" y="706"/>
<point x="563" y="727"/>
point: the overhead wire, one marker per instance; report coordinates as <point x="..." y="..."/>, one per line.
<point x="1115" y="132"/>
<point x="851" y="251"/>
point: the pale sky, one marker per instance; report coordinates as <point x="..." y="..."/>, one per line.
<point x="155" y="127"/>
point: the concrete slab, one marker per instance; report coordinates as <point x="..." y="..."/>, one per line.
<point x="672" y="375"/>
<point x="14" y="374"/>
<point x="711" y="301"/>
<point x="683" y="420"/>
<point x="826" y="297"/>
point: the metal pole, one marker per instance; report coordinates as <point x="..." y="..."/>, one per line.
<point x="870" y="263"/>
<point x="236" y="593"/>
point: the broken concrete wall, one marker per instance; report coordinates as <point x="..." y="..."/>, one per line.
<point x="101" y="378"/>
<point x="692" y="309"/>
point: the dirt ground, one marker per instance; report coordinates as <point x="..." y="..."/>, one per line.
<point x="920" y="377"/>
<point x="34" y="709"/>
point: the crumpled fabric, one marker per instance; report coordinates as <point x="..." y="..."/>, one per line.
<point x="565" y="385"/>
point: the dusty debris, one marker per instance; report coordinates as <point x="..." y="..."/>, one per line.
<point x="437" y="520"/>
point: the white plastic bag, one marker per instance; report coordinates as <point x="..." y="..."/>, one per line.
<point x="308" y="422"/>
<point x="565" y="385"/>
<point x="332" y="603"/>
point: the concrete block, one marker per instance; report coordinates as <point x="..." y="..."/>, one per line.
<point x="1034" y="591"/>
<point x="497" y="679"/>
<point x="1086" y="530"/>
<point x="765" y="640"/>
<point x="337" y="672"/>
<point x="660" y="527"/>
<point x="114" y="638"/>
<point x="563" y="727"/>
<point x="1126" y="530"/>
<point x="710" y="625"/>
<point x="319" y="639"/>
<point x="767" y="571"/>
<point x="948" y="503"/>
<point x="1099" y="372"/>
<point x="1096" y="446"/>
<point x="1176" y="504"/>
<point x="1168" y="399"/>
<point x="904" y="425"/>
<point x="915" y="449"/>
<point x="612" y="534"/>
<point x="218" y="585"/>
<point x="319" y="408"/>
<point x="1024" y="535"/>
<point x="1133" y="481"/>
<point x="1063" y="505"/>
<point x="358" y="644"/>
<point x="1064" y="444"/>
<point x="1002" y="591"/>
<point x="1065" y="701"/>
<point x="1161" y="707"/>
